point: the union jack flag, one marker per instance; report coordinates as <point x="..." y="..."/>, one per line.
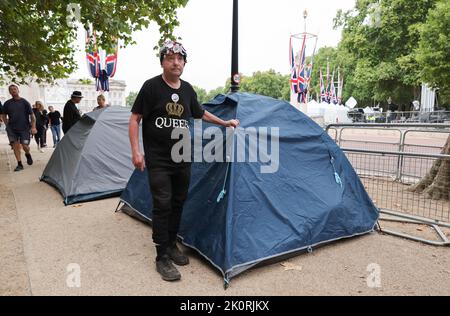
<point x="333" y="91"/>
<point x="340" y="87"/>
<point x="294" y="79"/>
<point x="92" y="60"/>
<point x="107" y="70"/>
<point x="302" y="79"/>
<point x="302" y="74"/>
<point x="100" y="68"/>
<point x="327" y="91"/>
<point x="323" y="93"/>
<point x="111" y="64"/>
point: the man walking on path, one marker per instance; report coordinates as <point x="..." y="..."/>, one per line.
<point x="20" y="121"/>
<point x="166" y="98"/>
<point x="71" y="114"/>
<point x="54" y="119"/>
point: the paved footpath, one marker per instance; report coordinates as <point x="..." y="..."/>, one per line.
<point x="43" y="243"/>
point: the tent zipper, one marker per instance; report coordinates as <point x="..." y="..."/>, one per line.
<point x="337" y="178"/>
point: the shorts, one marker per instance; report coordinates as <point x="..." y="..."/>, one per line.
<point x="22" y="137"/>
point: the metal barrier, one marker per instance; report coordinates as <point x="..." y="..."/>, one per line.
<point x="389" y="158"/>
<point x="358" y="116"/>
<point x="378" y="171"/>
<point x="392" y="137"/>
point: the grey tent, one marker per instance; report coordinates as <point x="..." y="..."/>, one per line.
<point x="93" y="160"/>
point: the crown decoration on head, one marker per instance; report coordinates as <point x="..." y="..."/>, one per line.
<point x="174" y="47"/>
<point x="174" y="109"/>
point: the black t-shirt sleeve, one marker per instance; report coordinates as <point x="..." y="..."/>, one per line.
<point x="28" y="107"/>
<point x="5" y="108"/>
<point x="141" y="99"/>
<point x="196" y="109"/>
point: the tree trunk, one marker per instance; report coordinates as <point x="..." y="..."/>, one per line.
<point x="436" y="184"/>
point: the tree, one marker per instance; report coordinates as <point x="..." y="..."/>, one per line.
<point x="37" y="36"/>
<point x="433" y="53"/>
<point x="201" y="94"/>
<point x="268" y="83"/>
<point x="378" y="42"/>
<point x="436" y="184"/>
<point x="213" y="93"/>
<point x="131" y="98"/>
<point x="85" y="81"/>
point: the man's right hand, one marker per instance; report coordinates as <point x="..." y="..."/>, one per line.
<point x="138" y="161"/>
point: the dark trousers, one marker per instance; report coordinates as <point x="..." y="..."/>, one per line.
<point x="44" y="136"/>
<point x="169" y="188"/>
<point x="39" y="136"/>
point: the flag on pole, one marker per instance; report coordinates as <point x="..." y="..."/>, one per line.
<point x="294" y="79"/>
<point x="310" y="65"/>
<point x="92" y="57"/>
<point x="327" y="90"/>
<point x="333" y="90"/>
<point x="101" y="65"/>
<point x="302" y="75"/>
<point x="323" y="94"/>
<point x="340" y="87"/>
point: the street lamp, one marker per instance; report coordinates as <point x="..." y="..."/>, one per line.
<point x="235" y="77"/>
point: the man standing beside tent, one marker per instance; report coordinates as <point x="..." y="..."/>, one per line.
<point x="71" y="114"/>
<point x="166" y="98"/>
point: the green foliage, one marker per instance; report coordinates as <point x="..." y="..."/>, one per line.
<point x="37" y="36"/>
<point x="201" y="94"/>
<point x="213" y="93"/>
<point x="131" y="98"/>
<point x="204" y="96"/>
<point x="86" y="81"/>
<point x="268" y="83"/>
<point x="377" y="50"/>
<point x="321" y="57"/>
<point x="433" y="53"/>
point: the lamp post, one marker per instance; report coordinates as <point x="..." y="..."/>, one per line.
<point x="305" y="15"/>
<point x="235" y="77"/>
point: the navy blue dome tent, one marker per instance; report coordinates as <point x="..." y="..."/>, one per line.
<point x="93" y="160"/>
<point x="236" y="216"/>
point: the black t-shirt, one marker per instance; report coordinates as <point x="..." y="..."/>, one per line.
<point x="41" y="118"/>
<point x="45" y="113"/>
<point x="163" y="109"/>
<point x="54" y="118"/>
<point x="18" y="112"/>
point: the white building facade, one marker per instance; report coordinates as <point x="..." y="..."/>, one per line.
<point x="59" y="93"/>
